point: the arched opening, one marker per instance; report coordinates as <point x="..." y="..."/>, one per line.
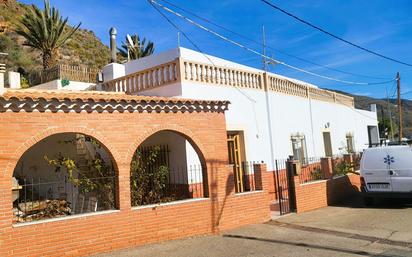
<point x="167" y="167"/>
<point x="63" y="174"/>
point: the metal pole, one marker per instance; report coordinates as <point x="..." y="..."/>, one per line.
<point x="265" y="63"/>
<point x="389" y="114"/>
<point x="398" y="81"/>
<point x="278" y="187"/>
<point x="267" y="99"/>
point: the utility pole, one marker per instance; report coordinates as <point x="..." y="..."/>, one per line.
<point x="383" y="123"/>
<point x="389" y="114"/>
<point x="265" y="62"/>
<point x="398" y="81"/>
<point x="267" y="99"/>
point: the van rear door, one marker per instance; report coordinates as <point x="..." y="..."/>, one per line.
<point x="375" y="171"/>
<point x="400" y="169"/>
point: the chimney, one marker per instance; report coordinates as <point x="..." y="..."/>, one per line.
<point x="113" y="47"/>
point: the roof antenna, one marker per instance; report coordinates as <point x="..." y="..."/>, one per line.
<point x="130" y="44"/>
<point x="265" y="61"/>
<point x="178" y="39"/>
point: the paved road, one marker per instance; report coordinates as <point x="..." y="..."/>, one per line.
<point x="389" y="219"/>
<point x="348" y="230"/>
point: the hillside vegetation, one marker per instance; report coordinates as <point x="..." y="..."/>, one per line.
<point x="83" y="49"/>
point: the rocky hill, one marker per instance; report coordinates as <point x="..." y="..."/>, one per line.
<point x="83" y="49"/>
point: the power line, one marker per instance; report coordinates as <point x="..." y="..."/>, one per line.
<point x="269" y="47"/>
<point x="394" y="90"/>
<point x="333" y="35"/>
<point x="262" y="55"/>
<point x="407" y="92"/>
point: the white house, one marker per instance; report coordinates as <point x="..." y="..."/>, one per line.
<point x="270" y="116"/>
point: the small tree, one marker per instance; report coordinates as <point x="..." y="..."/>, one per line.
<point x="94" y="178"/>
<point x="45" y="30"/>
<point x="139" y="49"/>
<point x="148" y="180"/>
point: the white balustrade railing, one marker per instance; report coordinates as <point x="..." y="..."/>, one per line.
<point x="180" y="70"/>
<point x="147" y="79"/>
<point x="208" y="73"/>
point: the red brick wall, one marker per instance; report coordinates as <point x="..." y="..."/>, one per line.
<point x="322" y="193"/>
<point x="122" y="133"/>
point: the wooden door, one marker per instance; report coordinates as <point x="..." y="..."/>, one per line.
<point x="235" y="159"/>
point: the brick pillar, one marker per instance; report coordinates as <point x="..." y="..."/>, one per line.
<point x="297" y="194"/>
<point x="123" y="189"/>
<point x="326" y="166"/>
<point x="260" y="176"/>
<point x="348" y="158"/>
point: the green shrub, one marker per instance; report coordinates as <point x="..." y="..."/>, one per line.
<point x="343" y="168"/>
<point x="148" y="180"/>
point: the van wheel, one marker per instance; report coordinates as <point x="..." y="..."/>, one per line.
<point x="368" y="201"/>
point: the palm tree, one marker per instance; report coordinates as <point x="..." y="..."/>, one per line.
<point x="45" y="30"/>
<point x="139" y="48"/>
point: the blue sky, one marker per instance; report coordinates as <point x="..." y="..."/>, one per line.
<point x="382" y="26"/>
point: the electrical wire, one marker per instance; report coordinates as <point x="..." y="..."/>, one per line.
<point x="407" y="92"/>
<point x="333" y="35"/>
<point x="269" y="47"/>
<point x="262" y="55"/>
<point x="197" y="47"/>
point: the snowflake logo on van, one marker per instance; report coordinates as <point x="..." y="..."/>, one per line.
<point x="389" y="159"/>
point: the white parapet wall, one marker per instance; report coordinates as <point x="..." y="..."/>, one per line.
<point x="57" y="85"/>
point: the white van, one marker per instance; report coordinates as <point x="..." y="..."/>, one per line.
<point x="386" y="172"/>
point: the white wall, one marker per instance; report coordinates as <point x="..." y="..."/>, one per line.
<point x="288" y="115"/>
<point x="171" y="90"/>
<point x="34" y="167"/>
<point x="57" y="85"/>
<point x="268" y="119"/>
<point x="14" y="79"/>
<point x="113" y="71"/>
<point x="151" y="61"/>
<point x="182" y="156"/>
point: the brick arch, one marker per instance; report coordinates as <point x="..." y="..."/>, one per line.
<point x="31" y="141"/>
<point x="186" y="133"/>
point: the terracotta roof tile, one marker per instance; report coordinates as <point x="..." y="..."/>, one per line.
<point x="94" y="95"/>
<point x="90" y="101"/>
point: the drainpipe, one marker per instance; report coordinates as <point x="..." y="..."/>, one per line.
<point x="311" y="124"/>
<point x="113" y="46"/>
